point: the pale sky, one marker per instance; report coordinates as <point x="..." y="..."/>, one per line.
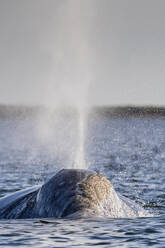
<point x="97" y="51"/>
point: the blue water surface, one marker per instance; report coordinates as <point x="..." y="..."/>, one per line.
<point x="130" y="152"/>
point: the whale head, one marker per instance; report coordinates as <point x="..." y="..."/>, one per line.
<point x="71" y="191"/>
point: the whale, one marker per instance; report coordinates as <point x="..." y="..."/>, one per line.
<point x="71" y="193"/>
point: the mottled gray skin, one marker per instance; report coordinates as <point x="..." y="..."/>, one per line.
<point x="70" y="193"/>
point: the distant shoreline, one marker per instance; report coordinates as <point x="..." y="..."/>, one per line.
<point x="21" y="112"/>
<point x="131" y="111"/>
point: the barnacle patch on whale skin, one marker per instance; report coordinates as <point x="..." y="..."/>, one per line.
<point x="93" y="189"/>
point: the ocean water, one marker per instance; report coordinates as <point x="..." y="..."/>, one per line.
<point x="130" y="152"/>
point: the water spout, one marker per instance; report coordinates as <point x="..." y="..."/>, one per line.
<point x="80" y="162"/>
<point x="68" y="85"/>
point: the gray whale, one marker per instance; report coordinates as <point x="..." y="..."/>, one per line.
<point x="71" y="193"/>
